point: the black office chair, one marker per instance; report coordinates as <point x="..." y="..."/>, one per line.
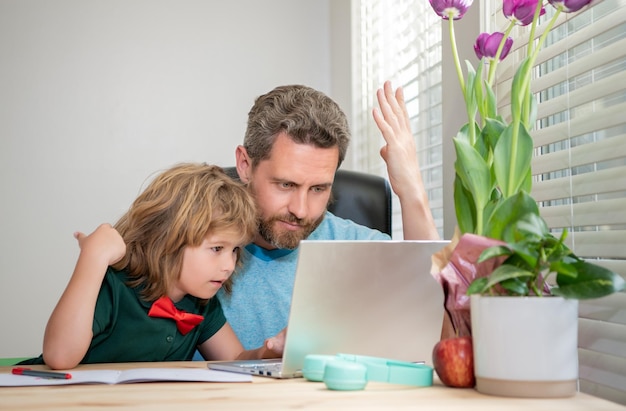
<point x="360" y="197"/>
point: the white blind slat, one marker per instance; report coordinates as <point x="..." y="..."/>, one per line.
<point x="606" y="149"/>
<point x="602" y="244"/>
<point x="587" y="123"/>
<point x="602" y="337"/>
<point x="601" y="369"/>
<point x="618" y="266"/>
<point x="595" y="213"/>
<point x="609" y="309"/>
<point x="592" y="92"/>
<point x="602" y="181"/>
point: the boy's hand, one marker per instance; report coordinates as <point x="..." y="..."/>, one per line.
<point x="104" y="242"/>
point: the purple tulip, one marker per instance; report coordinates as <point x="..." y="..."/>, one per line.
<point x="487" y="45"/>
<point x="454" y="8"/>
<point x="570" y="6"/>
<point x="521" y="11"/>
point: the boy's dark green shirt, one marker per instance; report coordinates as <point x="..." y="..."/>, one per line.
<point x="123" y="332"/>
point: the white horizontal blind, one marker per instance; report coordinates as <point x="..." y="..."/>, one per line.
<point x="580" y="164"/>
<point x="400" y="40"/>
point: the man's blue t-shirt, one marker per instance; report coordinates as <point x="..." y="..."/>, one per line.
<point x="258" y="307"/>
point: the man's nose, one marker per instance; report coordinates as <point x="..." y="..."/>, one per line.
<point x="298" y="204"/>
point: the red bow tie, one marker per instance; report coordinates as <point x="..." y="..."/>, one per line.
<point x="164" y="308"/>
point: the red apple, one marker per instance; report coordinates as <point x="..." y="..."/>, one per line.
<point x="453" y="361"/>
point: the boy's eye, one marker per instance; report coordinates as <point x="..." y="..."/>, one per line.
<point x="217" y="249"/>
<point x="236" y="249"/>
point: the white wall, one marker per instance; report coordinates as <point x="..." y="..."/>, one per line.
<point x="95" y="96"/>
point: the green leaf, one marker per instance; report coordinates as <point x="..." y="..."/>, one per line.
<point x="506" y="215"/>
<point x="527" y="184"/>
<point x="531" y="227"/>
<point x="491" y="103"/>
<point x="507" y="272"/>
<point x="492" y="131"/>
<point x="463" y="133"/>
<point x="471" y="104"/>
<point x="473" y="172"/>
<point x="515" y="286"/>
<point x="512" y="156"/>
<point x="464" y="207"/>
<point x="532" y="116"/>
<point x="563" y="268"/>
<point x="481" y="145"/>
<point x="518" y="94"/>
<point x="592" y="281"/>
<point x="478" y="286"/>
<point x="524" y="255"/>
<point x="477" y="86"/>
<point x="492" y="252"/>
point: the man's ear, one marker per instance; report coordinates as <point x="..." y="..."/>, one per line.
<point x="243" y="164"/>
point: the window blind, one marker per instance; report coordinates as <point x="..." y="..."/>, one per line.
<point x="400" y="40"/>
<point x="579" y="166"/>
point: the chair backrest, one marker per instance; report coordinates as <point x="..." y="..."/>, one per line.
<point x="360" y="197"/>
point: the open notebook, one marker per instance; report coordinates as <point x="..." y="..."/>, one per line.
<point x="374" y="298"/>
<point x="131" y="375"/>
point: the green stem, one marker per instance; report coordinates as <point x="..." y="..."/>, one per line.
<point x="536" y="289"/>
<point x="494" y="63"/>
<point x="533" y="27"/>
<point x="455" y="53"/>
<point x="459" y="73"/>
<point x="479" y="221"/>
<point x="512" y="163"/>
<point x="526" y="93"/>
<point x="525" y="87"/>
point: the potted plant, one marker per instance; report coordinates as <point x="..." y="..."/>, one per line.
<point x="499" y="222"/>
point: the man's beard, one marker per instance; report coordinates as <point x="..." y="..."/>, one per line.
<point x="287" y="239"/>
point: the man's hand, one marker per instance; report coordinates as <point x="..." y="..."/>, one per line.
<point x="400" y="155"/>
<point x="400" y="152"/>
<point x="276" y="344"/>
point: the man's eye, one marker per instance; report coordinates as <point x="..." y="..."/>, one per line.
<point x="319" y="189"/>
<point x="286" y="185"/>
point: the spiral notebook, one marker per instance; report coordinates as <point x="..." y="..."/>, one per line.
<point x="374" y="298"/>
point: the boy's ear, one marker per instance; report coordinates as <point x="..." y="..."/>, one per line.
<point x="243" y="164"/>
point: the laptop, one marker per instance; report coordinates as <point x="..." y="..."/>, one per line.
<point x="375" y="298"/>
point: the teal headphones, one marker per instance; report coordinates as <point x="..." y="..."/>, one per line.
<point x="347" y="372"/>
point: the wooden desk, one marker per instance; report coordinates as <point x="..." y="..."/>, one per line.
<point x="265" y="393"/>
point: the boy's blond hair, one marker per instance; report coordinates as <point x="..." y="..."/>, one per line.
<point x="179" y="208"/>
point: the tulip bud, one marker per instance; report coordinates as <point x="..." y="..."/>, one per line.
<point x="521" y="12"/>
<point x="570" y="6"/>
<point x="486" y="45"/>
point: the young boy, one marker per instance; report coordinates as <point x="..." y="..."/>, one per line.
<point x="175" y="247"/>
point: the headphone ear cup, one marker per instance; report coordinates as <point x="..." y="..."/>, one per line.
<point x="343" y="375"/>
<point x="314" y="365"/>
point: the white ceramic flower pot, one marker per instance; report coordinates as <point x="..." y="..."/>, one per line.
<point x="525" y="346"/>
